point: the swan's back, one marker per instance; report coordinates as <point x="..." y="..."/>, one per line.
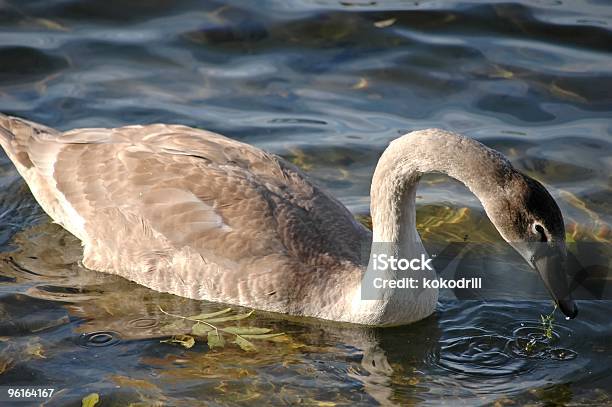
<point x="187" y="211"/>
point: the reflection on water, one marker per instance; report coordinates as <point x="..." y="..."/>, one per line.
<point x="326" y="84"/>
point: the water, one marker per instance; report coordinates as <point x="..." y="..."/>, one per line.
<point x="326" y="84"/>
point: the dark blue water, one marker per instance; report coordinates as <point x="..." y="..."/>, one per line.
<point x="326" y="84"/>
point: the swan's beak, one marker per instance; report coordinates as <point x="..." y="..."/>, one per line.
<point x="550" y="262"/>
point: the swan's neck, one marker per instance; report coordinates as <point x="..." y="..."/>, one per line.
<point x="393" y="194"/>
<point x="393" y="208"/>
<point x="482" y="170"/>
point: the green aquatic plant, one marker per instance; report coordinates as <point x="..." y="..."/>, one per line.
<point x="529" y="345"/>
<point x="548" y="327"/>
<point x="206" y="326"/>
<point x="547" y="323"/>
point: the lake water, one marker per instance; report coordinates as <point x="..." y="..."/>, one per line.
<point x="326" y="84"/>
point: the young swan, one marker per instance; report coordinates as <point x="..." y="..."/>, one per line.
<point x="196" y="214"/>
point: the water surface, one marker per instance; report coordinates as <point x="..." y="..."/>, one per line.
<point x="326" y="84"/>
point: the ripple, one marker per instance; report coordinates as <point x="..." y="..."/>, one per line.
<point x="562" y="354"/>
<point x="143" y="323"/>
<point x="481" y="352"/>
<point x="532" y="342"/>
<point x="98" y="339"/>
<point x="291" y="120"/>
<point x="484" y="355"/>
<point x="533" y="330"/>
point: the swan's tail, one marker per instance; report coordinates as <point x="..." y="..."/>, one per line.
<point x="6" y="136"/>
<point x="17" y="135"/>
<point x="13" y="141"/>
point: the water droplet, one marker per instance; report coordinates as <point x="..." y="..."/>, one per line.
<point x="562" y="354"/>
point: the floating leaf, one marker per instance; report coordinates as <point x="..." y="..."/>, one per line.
<point x="129" y="382"/>
<point x="263" y="336"/>
<point x="385" y="23"/>
<point x="244" y="344"/>
<point x="362" y="84"/>
<point x="184" y="340"/>
<point x="90" y="400"/>
<point x="6" y="364"/>
<point x="210" y="314"/>
<point x="204" y="327"/>
<point x="320" y="403"/>
<point x="215" y="340"/>
<point x="231" y="318"/>
<point x="246" y="330"/>
<point x="50" y="24"/>
<point x="175" y="327"/>
<point x="201" y="329"/>
<point x="35" y="349"/>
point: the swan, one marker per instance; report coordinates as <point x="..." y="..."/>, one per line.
<point x="199" y="215"/>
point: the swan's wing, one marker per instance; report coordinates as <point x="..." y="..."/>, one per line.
<point x="172" y="187"/>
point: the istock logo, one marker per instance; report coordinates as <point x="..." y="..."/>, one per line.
<point x="382" y="262"/>
<point x="474" y="270"/>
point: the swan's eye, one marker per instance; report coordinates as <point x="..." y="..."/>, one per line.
<point x="539" y="230"/>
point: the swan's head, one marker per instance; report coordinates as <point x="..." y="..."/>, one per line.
<point x="521" y="209"/>
<point x="529" y="219"/>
